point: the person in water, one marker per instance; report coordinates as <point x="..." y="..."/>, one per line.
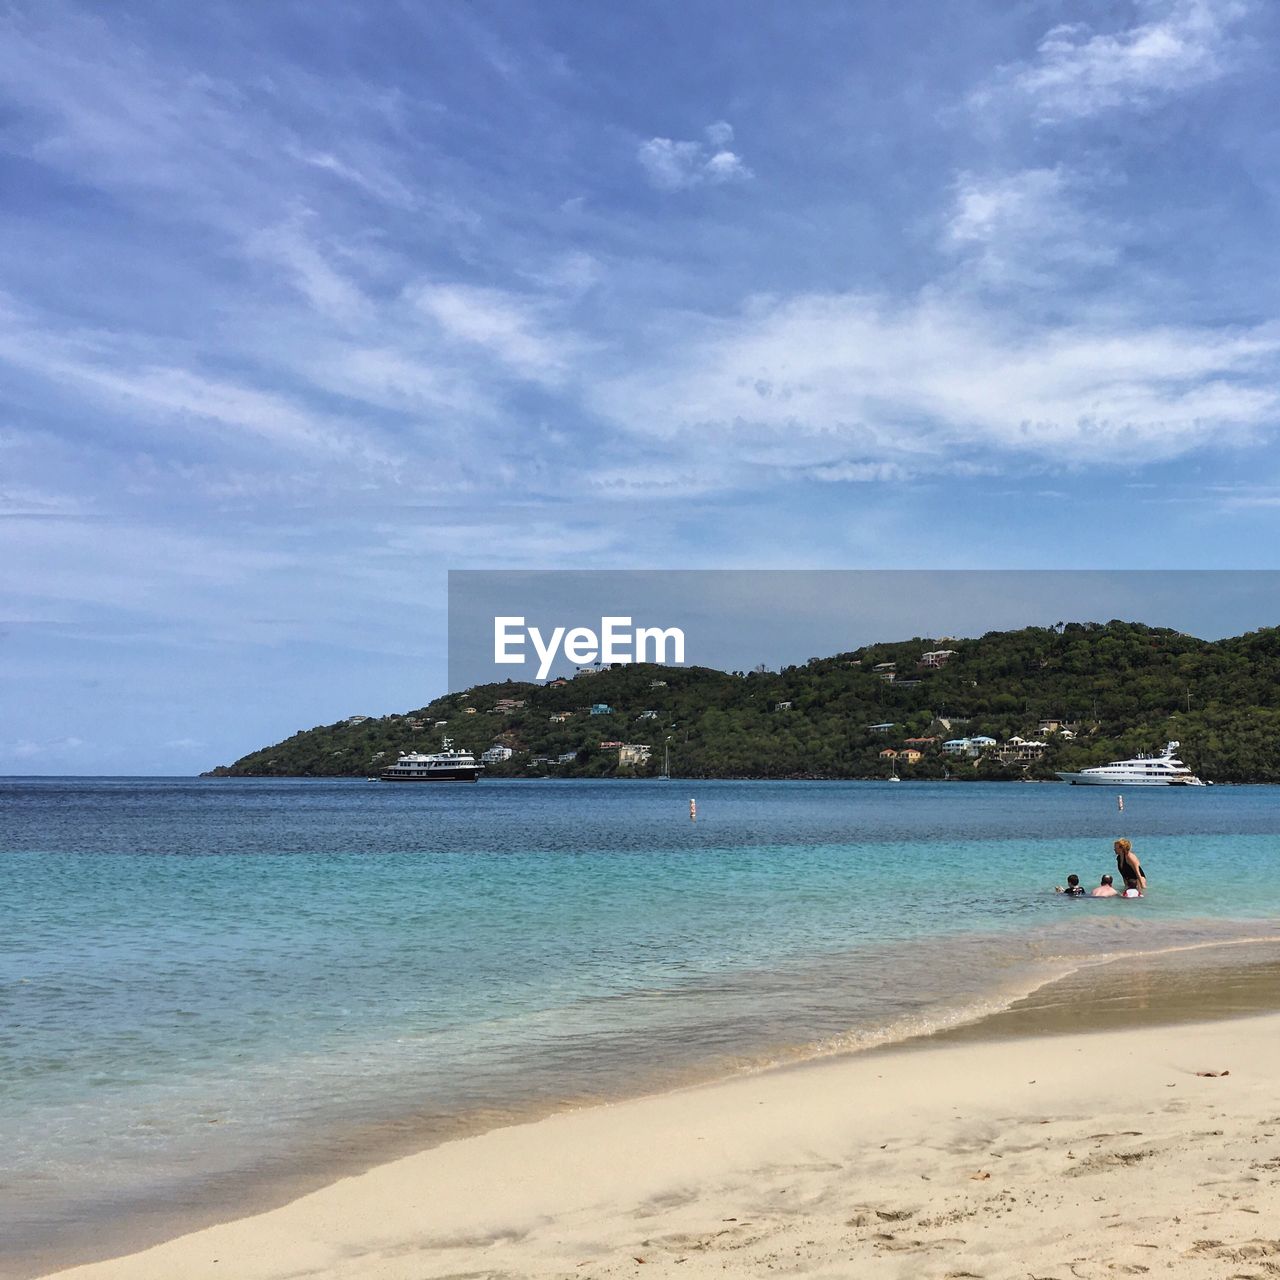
<point x="1105" y="889"/>
<point x="1074" y="888"/>
<point x="1128" y="866"/>
<point x="1131" y="889"/>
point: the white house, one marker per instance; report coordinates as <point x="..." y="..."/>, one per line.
<point x="937" y="657"/>
<point x="497" y="754"/>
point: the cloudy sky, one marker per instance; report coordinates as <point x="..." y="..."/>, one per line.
<point x="302" y="305"/>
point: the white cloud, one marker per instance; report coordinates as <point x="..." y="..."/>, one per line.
<point x="380" y="183"/>
<point x="724" y="166"/>
<point x="860" y="472"/>
<point x="836" y="380"/>
<point x="27" y="749"/>
<point x="1019" y="228"/>
<point x="25" y="500"/>
<point x="507" y="325"/>
<point x="1079" y="72"/>
<point x="671" y="165"/>
<point x="676" y="166"/>
<point x="572" y="272"/>
<point x="327" y="290"/>
<point x="94" y="101"/>
<point x="986" y="210"/>
<point x="107" y="369"/>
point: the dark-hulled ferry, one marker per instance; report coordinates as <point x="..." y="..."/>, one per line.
<point x="444" y="766"/>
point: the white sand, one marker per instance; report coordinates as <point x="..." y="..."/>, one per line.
<point x="1066" y="1156"/>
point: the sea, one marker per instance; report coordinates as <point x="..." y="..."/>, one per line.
<point x="218" y="993"/>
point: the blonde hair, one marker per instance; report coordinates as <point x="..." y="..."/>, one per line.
<point x="1123" y="846"/>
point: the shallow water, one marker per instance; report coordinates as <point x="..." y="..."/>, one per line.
<point x="207" y="983"/>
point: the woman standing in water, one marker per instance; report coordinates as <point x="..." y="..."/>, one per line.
<point x="1128" y="866"/>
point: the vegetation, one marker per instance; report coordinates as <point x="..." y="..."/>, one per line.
<point x="1117" y="689"/>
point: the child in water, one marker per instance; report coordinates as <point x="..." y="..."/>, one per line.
<point x="1074" y="888"/>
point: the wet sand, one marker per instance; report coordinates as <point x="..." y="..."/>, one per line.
<point x="1071" y="1135"/>
<point x="1194" y="984"/>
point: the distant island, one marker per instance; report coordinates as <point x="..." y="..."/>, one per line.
<point x="1009" y="705"/>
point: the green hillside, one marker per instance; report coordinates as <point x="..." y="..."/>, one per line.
<point x="1116" y="688"/>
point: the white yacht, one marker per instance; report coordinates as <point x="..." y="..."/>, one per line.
<point x="447" y="765"/>
<point x="1164" y="770"/>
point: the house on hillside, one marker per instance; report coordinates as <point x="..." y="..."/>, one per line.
<point x="634" y="753"/>
<point x="886" y="727"/>
<point x="888" y="754"/>
<point x="601" y="709"/>
<point x="782" y="706"/>
<point x="937" y="657"/>
<point x="911" y="755"/>
<point x="497" y="754"/>
<point x="560" y="717"/>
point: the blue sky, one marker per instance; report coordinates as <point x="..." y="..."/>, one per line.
<point x="303" y="305"/>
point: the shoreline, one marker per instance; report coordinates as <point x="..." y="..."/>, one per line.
<point x="1054" y="1009"/>
<point x="985" y="1159"/>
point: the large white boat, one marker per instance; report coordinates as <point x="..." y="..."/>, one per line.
<point x="443" y="766"/>
<point x="1164" y="770"/>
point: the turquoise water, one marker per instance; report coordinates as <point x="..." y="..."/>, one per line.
<point x="207" y="985"/>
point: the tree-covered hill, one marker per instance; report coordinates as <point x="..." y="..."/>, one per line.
<point x="1115" y="689"/>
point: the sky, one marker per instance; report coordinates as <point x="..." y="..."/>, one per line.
<point x="304" y="305"/>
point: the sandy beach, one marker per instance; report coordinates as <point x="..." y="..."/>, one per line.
<point x="1059" y="1155"/>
